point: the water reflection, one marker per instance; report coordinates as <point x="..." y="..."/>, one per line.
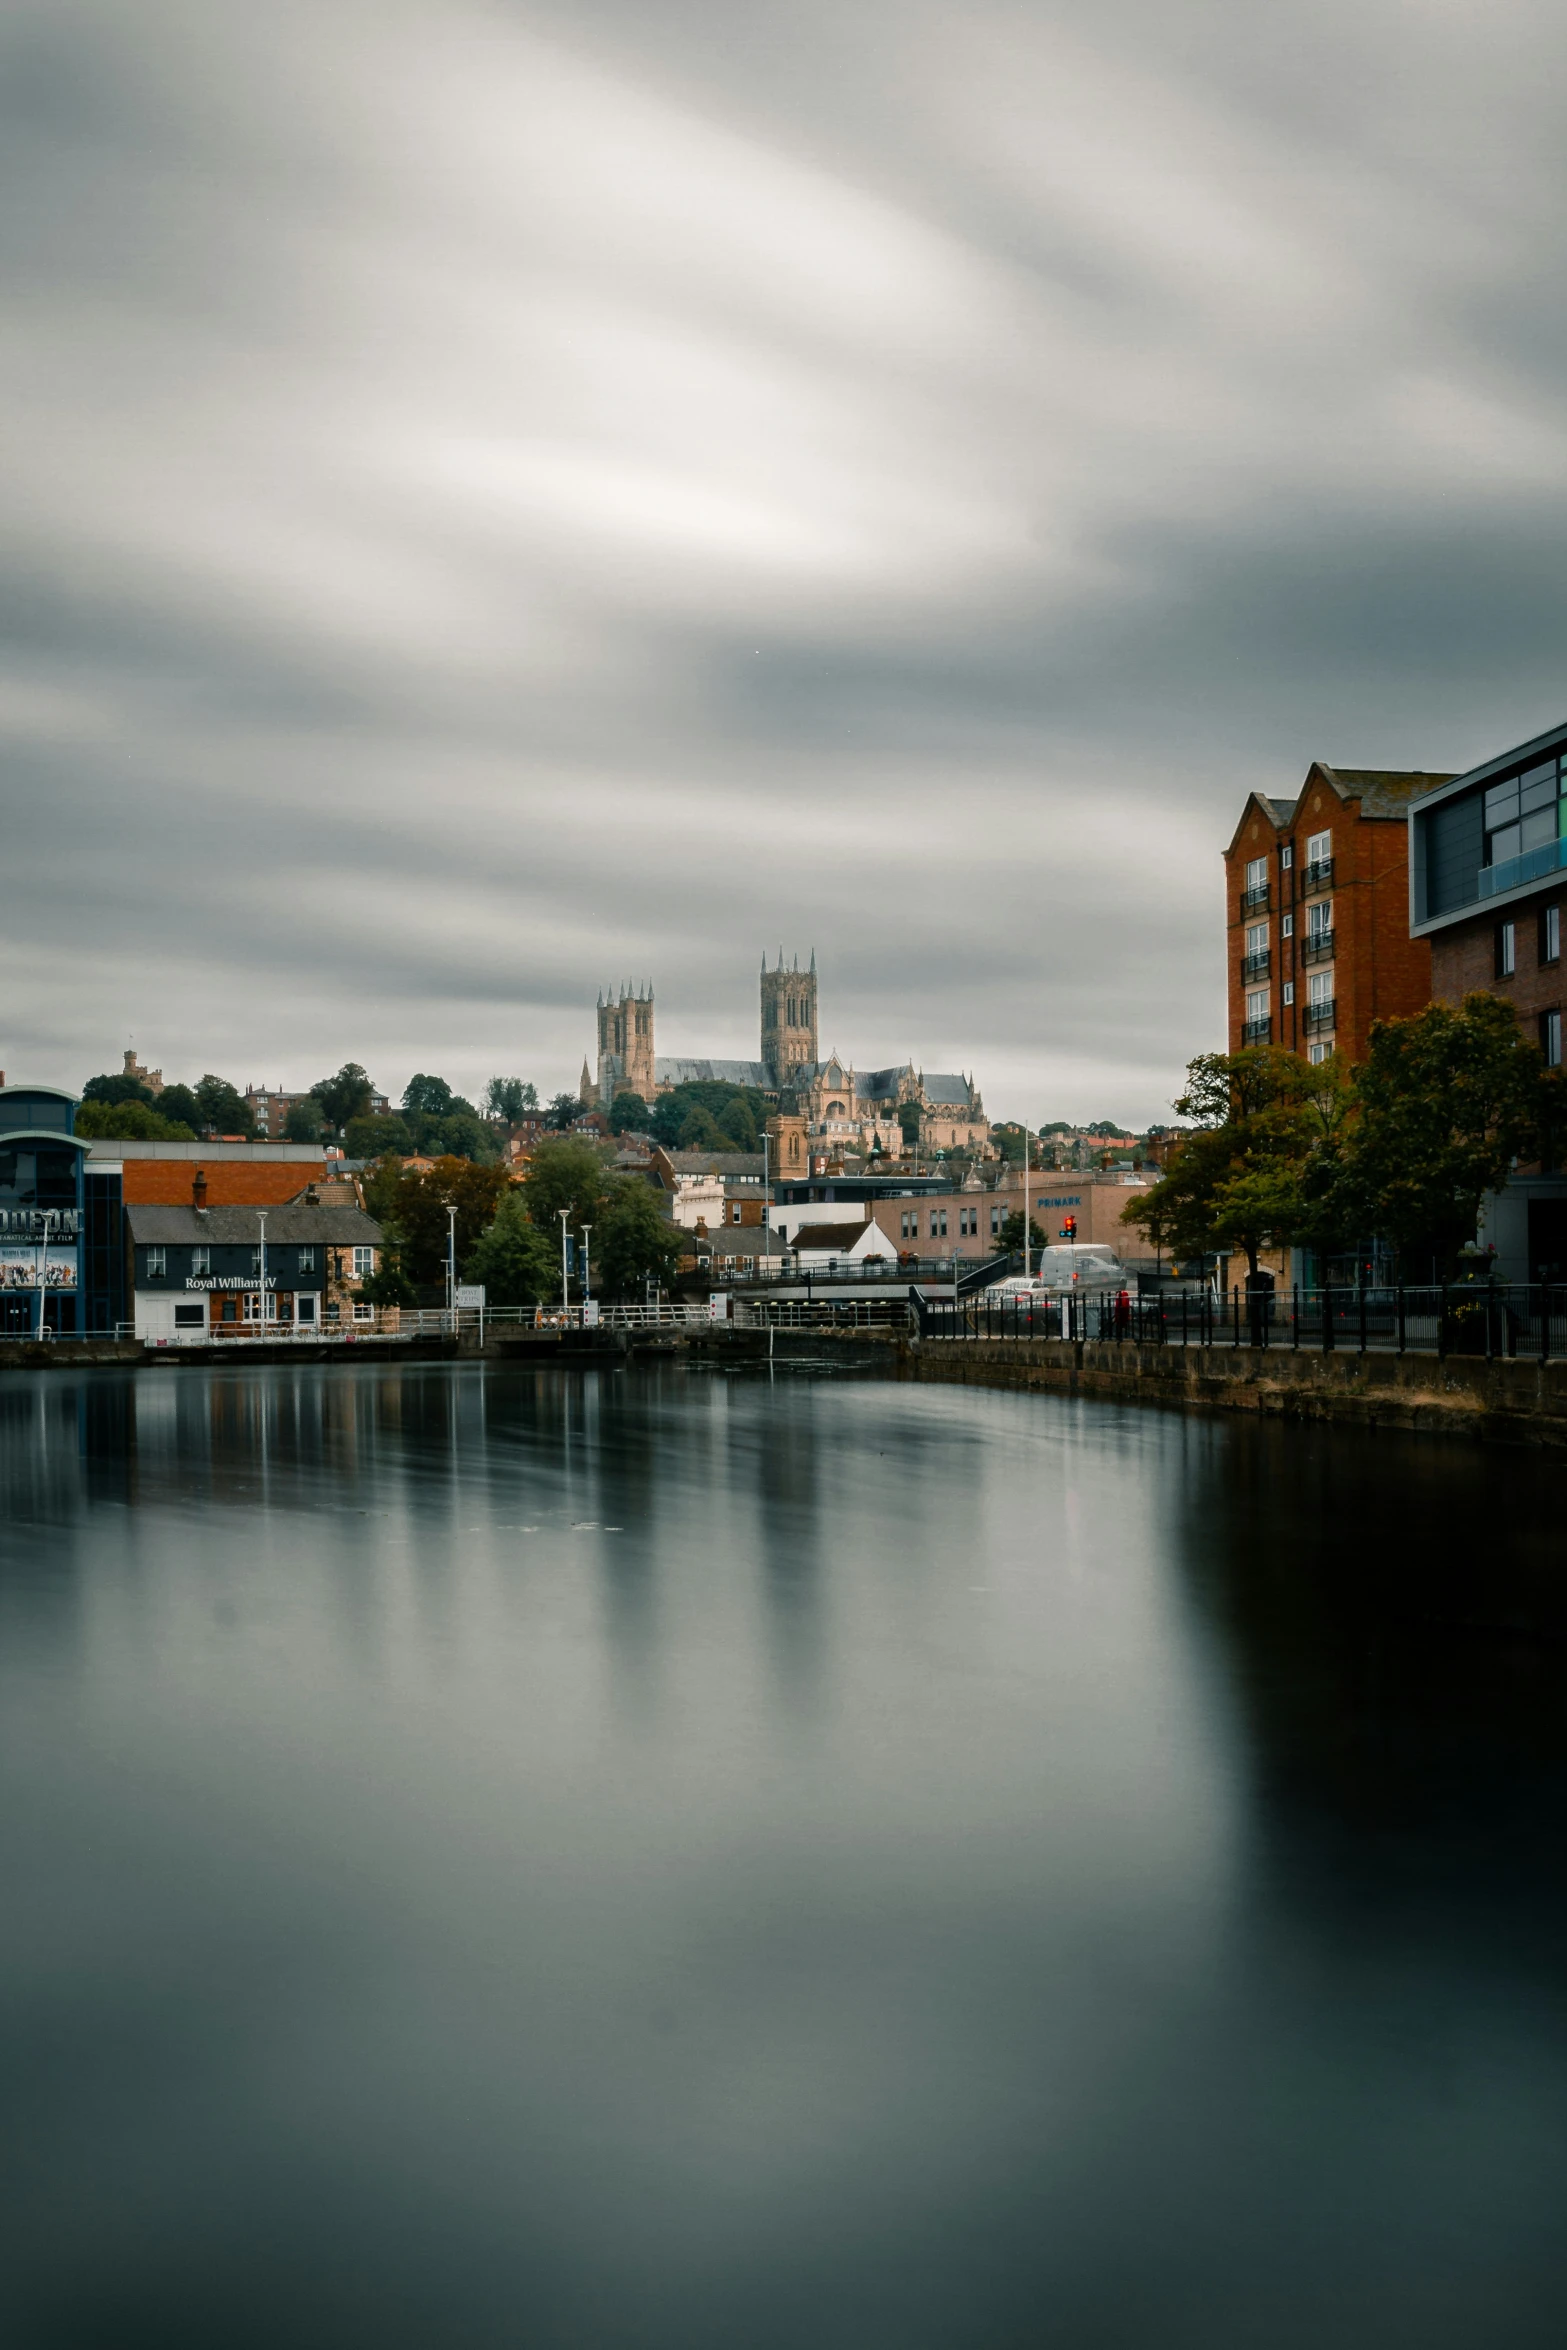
<point x="663" y="1858"/>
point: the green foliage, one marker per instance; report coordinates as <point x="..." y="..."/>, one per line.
<point x="634" y="1240"/>
<point x="345" y="1096"/>
<point x="717" y="1115"/>
<point x="430" y="1095"/>
<point x="509" y="1098"/>
<point x="631" y="1238"/>
<point x="373" y="1138"/>
<point x="628" y="1114"/>
<point x="223" y="1109"/>
<point x="129" y="1121"/>
<point x="908" y="1117"/>
<point x="564" y="1107"/>
<point x="115" y="1089"/>
<point x="1011" y="1141"/>
<point x="305" y="1122"/>
<point x="1010" y="1237"/>
<point x="412" y="1205"/>
<point x="1446" y="1102"/>
<point x="390" y="1285"/>
<point x="179" y="1103"/>
<point x="1240" y="1181"/>
<point x="517" y="1263"/>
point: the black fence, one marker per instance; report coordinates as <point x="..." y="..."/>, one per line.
<point x="1493" y="1320"/>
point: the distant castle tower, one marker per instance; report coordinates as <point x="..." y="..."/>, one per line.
<point x="626" y="1044"/>
<point x="788" y="1020"/>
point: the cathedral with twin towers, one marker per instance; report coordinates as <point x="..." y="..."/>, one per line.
<point x="844" y="1107"/>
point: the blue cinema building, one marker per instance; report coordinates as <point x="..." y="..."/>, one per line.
<point x="62" y="1268"/>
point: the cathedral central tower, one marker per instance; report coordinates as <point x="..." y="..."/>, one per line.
<point x="789" y="1041"/>
<point x="626" y="1044"/>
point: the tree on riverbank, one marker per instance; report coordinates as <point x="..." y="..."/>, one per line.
<point x="1402" y="1148"/>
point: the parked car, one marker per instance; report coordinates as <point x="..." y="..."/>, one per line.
<point x="1082" y="1267"/>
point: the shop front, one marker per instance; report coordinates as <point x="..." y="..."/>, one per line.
<point x="200" y="1274"/>
<point x="60" y="1253"/>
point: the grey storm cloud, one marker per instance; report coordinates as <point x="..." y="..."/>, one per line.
<point x="502" y="497"/>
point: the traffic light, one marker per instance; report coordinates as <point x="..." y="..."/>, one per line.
<point x="1069" y="1228"/>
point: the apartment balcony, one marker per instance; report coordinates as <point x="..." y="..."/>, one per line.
<point x="1318" y="948"/>
<point x="1319" y="1017"/>
<point x="1317" y="875"/>
<point x="1255" y="901"/>
<point x="1256" y="966"/>
<point x="1257" y="1032"/>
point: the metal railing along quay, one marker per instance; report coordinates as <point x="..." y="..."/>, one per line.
<point x="1499" y="1321"/>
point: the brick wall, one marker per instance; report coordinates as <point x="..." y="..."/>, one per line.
<point x="1463" y="961"/>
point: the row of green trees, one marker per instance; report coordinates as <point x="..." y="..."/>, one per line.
<point x="433" y="1118"/>
<point x="1401" y="1148"/>
<point x="508" y="1235"/>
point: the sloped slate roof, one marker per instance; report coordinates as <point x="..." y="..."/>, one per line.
<point x="238" y="1227"/>
<point x="717" y="1163"/>
<point x="949" y="1091"/>
<point x="1381" y="791"/>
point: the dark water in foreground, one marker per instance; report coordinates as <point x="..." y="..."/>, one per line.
<point x="657" y="1859"/>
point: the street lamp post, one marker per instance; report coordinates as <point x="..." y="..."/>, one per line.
<point x="1025" y="1203"/>
<point x="451" y="1260"/>
<point x="261" y="1302"/>
<point x="565" y="1268"/>
<point x="587" y="1279"/>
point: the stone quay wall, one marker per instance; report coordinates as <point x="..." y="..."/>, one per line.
<point x="1462" y="1395"/>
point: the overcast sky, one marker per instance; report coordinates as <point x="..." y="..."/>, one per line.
<point x="500" y="498"/>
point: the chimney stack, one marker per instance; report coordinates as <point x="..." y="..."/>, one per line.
<point x="198" y="1191"/>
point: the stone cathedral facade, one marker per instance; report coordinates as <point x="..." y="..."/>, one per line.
<point x="842" y="1107"/>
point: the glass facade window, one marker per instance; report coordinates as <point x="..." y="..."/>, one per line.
<point x="1523" y="813"/>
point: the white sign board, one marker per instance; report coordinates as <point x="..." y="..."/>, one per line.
<point x="590" y="1314"/>
<point x="471" y="1295"/>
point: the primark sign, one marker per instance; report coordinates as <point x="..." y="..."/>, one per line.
<point x="37" y="1224"/>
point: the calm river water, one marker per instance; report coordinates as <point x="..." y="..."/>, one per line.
<point x="658" y="1858"/>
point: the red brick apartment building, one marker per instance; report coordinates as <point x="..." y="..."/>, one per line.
<point x="1317" y="908"/>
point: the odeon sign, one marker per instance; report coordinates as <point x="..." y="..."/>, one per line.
<point x="229" y="1281"/>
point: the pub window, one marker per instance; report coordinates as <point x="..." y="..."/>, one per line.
<point x="307" y="1260"/>
<point x="1550" y="934"/>
<point x="364" y="1263"/>
<point x="1506" y="949"/>
<point x="201" y="1260"/>
<point x="157" y="1263"/>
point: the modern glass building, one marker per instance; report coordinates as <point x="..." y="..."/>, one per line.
<point x="62" y="1266"/>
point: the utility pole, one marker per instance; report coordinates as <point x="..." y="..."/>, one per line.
<point x="261" y="1302"/>
<point x="565" y="1268"/>
<point x="1025" y="1203"/>
<point x="587" y="1278"/>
